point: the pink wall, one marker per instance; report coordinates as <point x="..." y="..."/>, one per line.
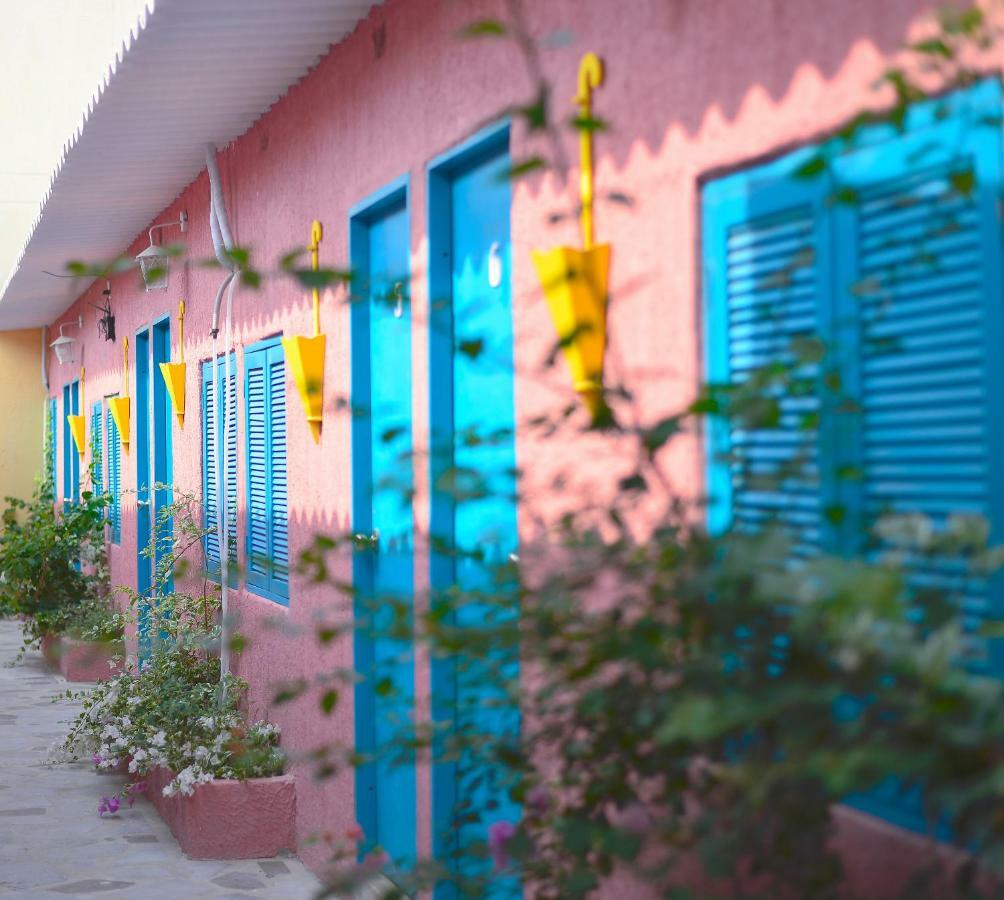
<point x="693" y="87"/>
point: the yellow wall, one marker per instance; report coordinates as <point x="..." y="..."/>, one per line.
<point x="22" y="411"/>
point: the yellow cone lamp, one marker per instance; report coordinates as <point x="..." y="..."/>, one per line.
<point x="305" y="355"/>
<point x="575" y="281"/>
<point x="119" y="406"/>
<point x="174" y="372"/>
<point x="78" y="423"/>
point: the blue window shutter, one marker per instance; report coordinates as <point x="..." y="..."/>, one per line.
<point x="258" y="501"/>
<point x="227" y="384"/>
<point x="921" y="271"/>
<point x="267" y="477"/>
<point x="114" y="454"/>
<point x="97" y="456"/>
<point x="278" y="490"/>
<point x="768" y="283"/>
<point x="212" y="475"/>
<point x="51" y="449"/>
<point x="210" y="470"/>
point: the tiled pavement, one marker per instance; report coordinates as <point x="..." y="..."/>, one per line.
<point x="52" y="843"/>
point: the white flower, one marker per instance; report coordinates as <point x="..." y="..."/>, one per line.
<point x="159" y="739"/>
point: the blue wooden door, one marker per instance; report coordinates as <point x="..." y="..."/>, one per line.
<point x="153" y="461"/>
<point x="382" y="486"/>
<point x="161" y="460"/>
<point x="144" y="519"/>
<point x="474" y="505"/>
<point x="71" y="456"/>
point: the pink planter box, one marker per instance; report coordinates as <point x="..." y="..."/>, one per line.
<point x="223" y="819"/>
<point x="81" y="660"/>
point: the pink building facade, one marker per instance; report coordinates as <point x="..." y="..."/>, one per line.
<point x="693" y="90"/>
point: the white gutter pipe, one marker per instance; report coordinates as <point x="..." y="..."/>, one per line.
<point x="219" y="227"/>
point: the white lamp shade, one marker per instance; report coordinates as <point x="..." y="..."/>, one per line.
<point x="63" y="345"/>
<point x="153" y="265"/>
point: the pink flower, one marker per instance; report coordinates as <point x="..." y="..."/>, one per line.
<point x="539" y="800"/>
<point x="499" y="836"/>
<point x="108" y="805"/>
<point x="636" y="820"/>
<point x="97" y="759"/>
<point x="354" y="833"/>
<point x="137" y="787"/>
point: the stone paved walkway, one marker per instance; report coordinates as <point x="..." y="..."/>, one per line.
<point x="52" y="843"/>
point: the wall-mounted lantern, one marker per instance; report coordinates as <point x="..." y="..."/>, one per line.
<point x="78" y="422"/>
<point x="119" y="406"/>
<point x="575" y="281"/>
<point x="305" y="355"/>
<point x="154" y="262"/>
<point x="106" y="324"/>
<point x="174" y="372"/>
<point x="63" y="345"/>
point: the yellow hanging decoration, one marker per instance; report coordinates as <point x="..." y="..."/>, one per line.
<point x="78" y="423"/>
<point x="575" y="281"/>
<point x="174" y="372"/>
<point x="305" y="355"/>
<point x="119" y="406"/>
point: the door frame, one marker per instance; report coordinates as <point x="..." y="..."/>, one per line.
<point x="361" y="216"/>
<point x="151" y="453"/>
<point x="441" y="171"/>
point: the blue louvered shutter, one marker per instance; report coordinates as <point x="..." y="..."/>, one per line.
<point x="278" y="487"/>
<point x="256" y="394"/>
<point x="50" y="460"/>
<point x="767" y="275"/>
<point x="114" y="453"/>
<point x="921" y="274"/>
<point x="97" y="456"/>
<point x="212" y="473"/>
<point x="227" y="384"/>
<point x="267" y="507"/>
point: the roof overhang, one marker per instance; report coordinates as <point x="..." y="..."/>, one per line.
<point x="192" y="72"/>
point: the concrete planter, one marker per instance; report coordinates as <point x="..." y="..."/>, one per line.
<point x="79" y="660"/>
<point x="224" y="819"/>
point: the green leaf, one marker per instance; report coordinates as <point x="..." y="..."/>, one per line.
<point x="472" y="349"/>
<point x="522" y="168"/>
<point x="484" y="28"/>
<point x="963" y="182"/>
<point x="933" y="47"/>
<point x="588" y="124"/>
<point x="812" y="167"/>
<point x="329" y="701"/>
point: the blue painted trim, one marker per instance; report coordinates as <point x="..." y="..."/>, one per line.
<point x="376" y="203"/>
<point x="484" y="142"/>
